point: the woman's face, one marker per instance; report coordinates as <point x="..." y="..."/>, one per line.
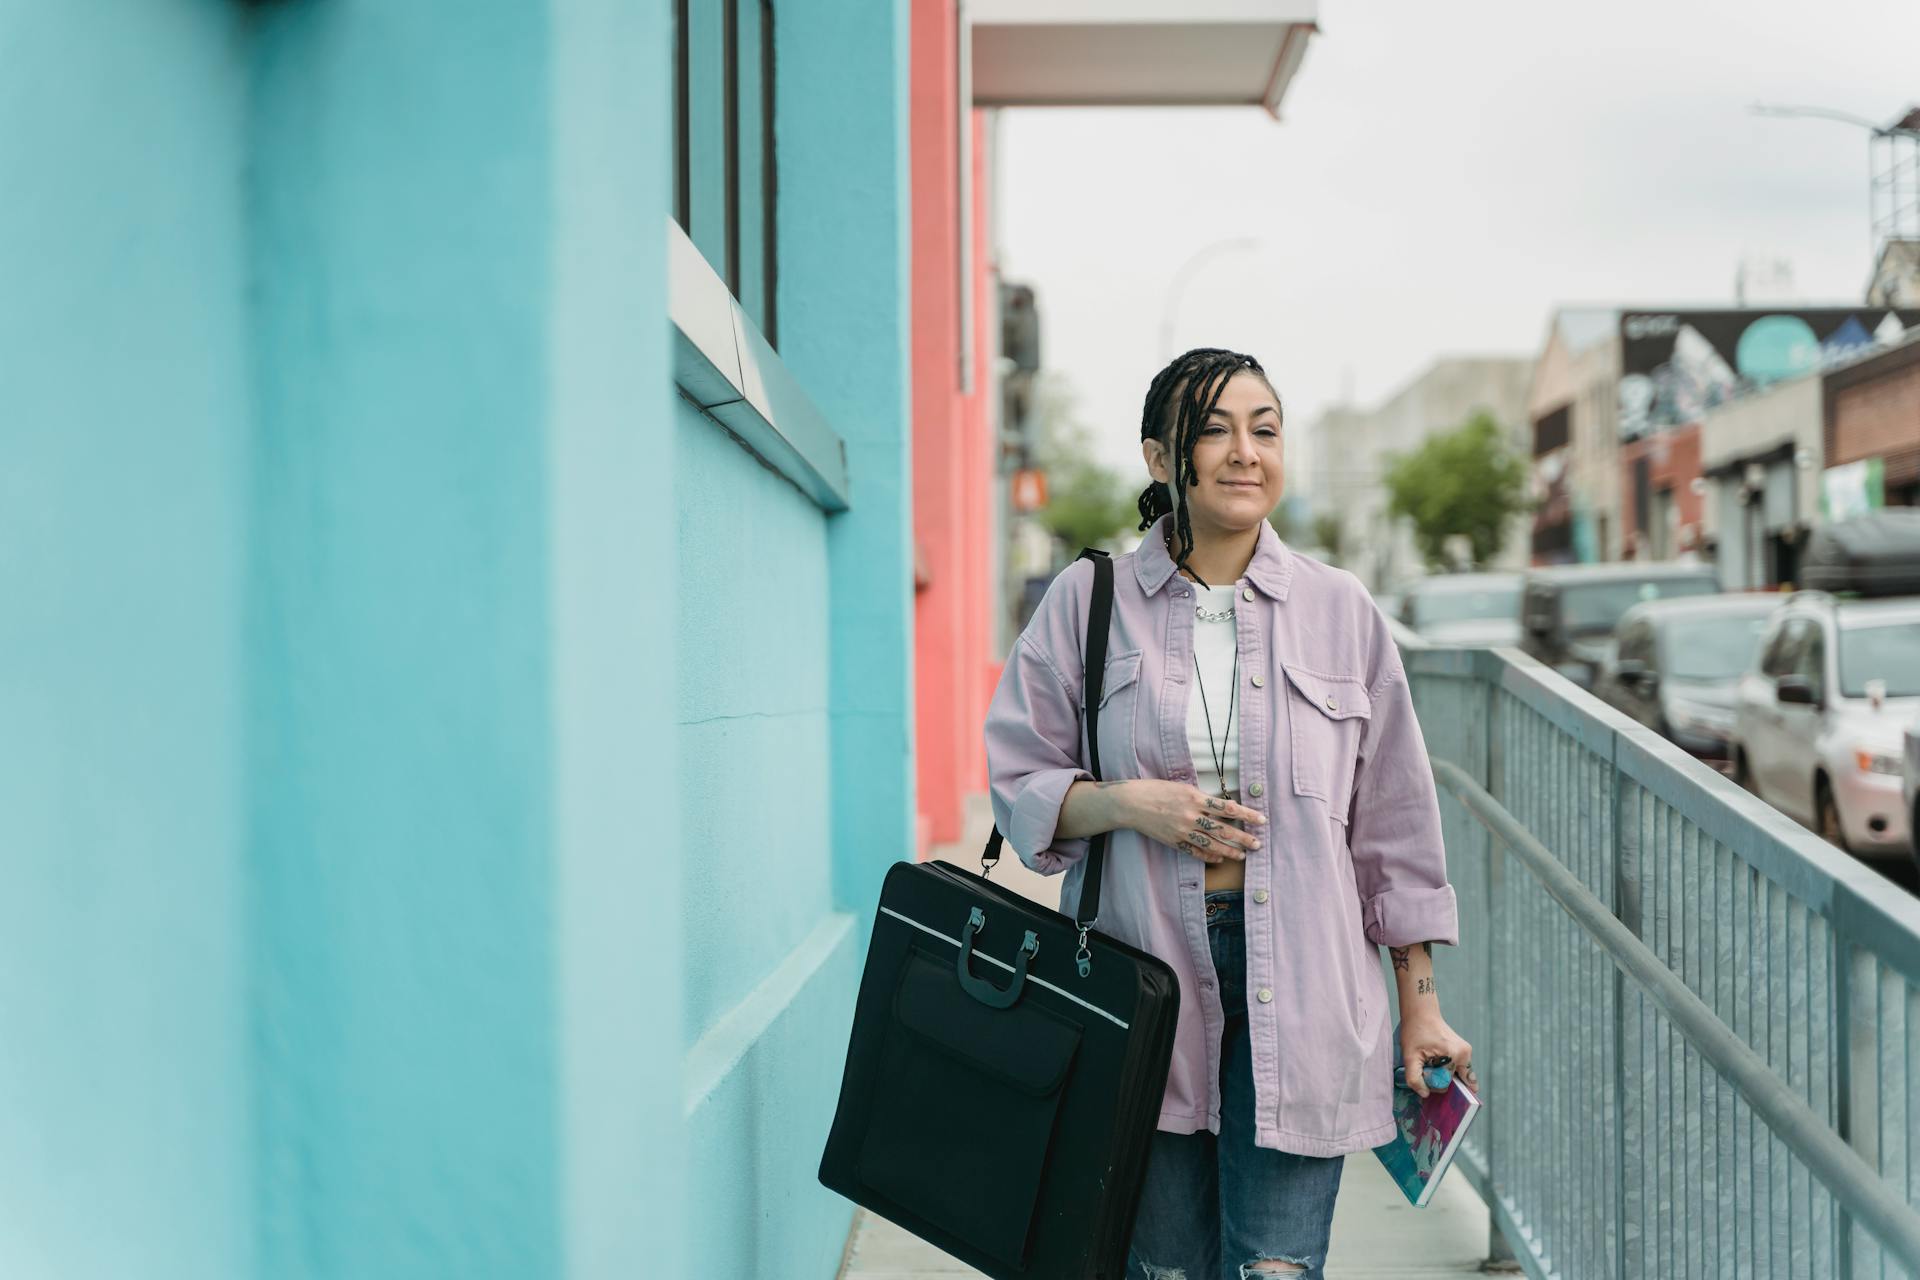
<point x="1237" y="464"/>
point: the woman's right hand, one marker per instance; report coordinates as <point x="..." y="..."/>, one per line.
<point x="1190" y="820"/>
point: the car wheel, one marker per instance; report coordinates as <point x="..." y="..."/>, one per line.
<point x="1742" y="775"/>
<point x="1829" y="815"/>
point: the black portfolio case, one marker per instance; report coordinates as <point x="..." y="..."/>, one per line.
<point x="1015" y="1138"/>
<point x="1007" y="1062"/>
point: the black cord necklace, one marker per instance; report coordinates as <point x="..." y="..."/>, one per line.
<point x="1233" y="696"/>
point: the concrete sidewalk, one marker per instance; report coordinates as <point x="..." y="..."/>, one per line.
<point x="1376" y="1234"/>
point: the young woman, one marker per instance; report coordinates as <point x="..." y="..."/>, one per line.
<point x="1274" y="823"/>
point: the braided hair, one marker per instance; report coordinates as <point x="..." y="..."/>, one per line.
<point x="1179" y="399"/>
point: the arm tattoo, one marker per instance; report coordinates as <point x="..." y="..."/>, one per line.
<point x="1399" y="955"/>
<point x="1205" y="823"/>
<point x="1424" y="986"/>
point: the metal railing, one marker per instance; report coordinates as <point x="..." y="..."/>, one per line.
<point x="1696" y="1024"/>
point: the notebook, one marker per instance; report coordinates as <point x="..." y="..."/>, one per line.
<point x="1430" y="1131"/>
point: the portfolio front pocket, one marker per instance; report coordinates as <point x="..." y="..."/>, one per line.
<point x="964" y="1107"/>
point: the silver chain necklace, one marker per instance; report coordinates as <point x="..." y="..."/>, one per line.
<point x="1210" y="615"/>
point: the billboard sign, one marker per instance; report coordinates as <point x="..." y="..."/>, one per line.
<point x="1675" y="366"/>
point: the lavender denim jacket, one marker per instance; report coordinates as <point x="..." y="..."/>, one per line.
<point x="1350" y="858"/>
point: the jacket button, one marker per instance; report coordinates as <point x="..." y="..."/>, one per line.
<point x="1259" y="895"/>
<point x="1259" y="682"/>
<point x="1266" y="996"/>
<point x="1256" y="790"/>
<point x="1331" y="705"/>
<point x="1246" y="593"/>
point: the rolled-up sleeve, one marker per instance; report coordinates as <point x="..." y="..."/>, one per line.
<point x="1399" y="858"/>
<point x="1033" y="757"/>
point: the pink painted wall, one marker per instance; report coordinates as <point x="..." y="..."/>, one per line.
<point x="952" y="446"/>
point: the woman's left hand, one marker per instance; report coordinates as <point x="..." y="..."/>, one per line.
<point x="1424" y="1035"/>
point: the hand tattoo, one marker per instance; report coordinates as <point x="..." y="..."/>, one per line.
<point x="1205" y="823"/>
<point x="1399" y="954"/>
<point x="1216" y="804"/>
<point x="1200" y="840"/>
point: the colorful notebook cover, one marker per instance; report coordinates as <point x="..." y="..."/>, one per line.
<point x="1430" y="1132"/>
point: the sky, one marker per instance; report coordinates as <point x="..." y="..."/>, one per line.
<point x="1442" y="177"/>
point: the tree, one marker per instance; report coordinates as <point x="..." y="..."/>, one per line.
<point x="1087" y="504"/>
<point x="1326" y="534"/>
<point x="1464" y="483"/>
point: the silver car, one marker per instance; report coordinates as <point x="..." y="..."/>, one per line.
<point x="1910" y="785"/>
<point x="1818" y="721"/>
<point x="1473" y="610"/>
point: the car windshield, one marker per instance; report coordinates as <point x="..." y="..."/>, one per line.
<point x="1596" y="606"/>
<point x="1889" y="651"/>
<point x="1712" y="648"/>
<point x="1430" y="607"/>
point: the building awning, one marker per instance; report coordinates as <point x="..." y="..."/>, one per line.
<point x="1137" y="53"/>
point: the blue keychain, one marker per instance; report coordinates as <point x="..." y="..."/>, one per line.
<point x="1438" y="1075"/>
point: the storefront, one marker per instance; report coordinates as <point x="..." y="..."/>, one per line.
<point x="1760" y="461"/>
<point x="1869" y="411"/>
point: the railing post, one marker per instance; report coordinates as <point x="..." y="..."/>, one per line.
<point x="1499" y="1248"/>
<point x="1626" y="907"/>
<point x="1856" y="1070"/>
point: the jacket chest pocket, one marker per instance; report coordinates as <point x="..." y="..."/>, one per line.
<point x="1327" y="716"/>
<point x="1119" y="701"/>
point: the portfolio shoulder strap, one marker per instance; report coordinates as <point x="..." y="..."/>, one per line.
<point x="1099" y="620"/>
<point x="1099" y="623"/>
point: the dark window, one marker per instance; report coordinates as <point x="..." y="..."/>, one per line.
<point x="1712" y="648"/>
<point x="1809" y="659"/>
<point x="1552" y="430"/>
<point x="682" y="119"/>
<point x="1636" y="641"/>
<point x="1889" y="651"/>
<point x="1597" y="606"/>
<point x="1773" y="655"/>
<point x="725" y="159"/>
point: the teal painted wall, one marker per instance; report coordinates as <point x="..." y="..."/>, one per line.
<point x="123" y="454"/>
<point x="843" y="314"/>
<point x="450" y="777"/>
<point x="402" y="902"/>
<point x="616" y="833"/>
<point x="795" y="652"/>
<point x="754" y="742"/>
<point x="340" y="804"/>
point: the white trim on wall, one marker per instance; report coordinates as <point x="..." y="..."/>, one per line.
<point x="726" y="366"/>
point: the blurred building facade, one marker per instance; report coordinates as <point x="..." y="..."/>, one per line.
<point x="1623" y="458"/>
<point x="1760" y="459"/>
<point x="1354" y="447"/>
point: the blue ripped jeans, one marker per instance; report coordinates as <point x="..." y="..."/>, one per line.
<point x="1213" y="1207"/>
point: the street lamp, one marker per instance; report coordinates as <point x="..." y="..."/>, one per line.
<point x="1893" y="188"/>
<point x="1169" y="309"/>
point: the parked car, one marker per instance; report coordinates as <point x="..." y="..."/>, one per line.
<point x="1910" y="786"/>
<point x="1818" y="723"/>
<point x="1678" y="664"/>
<point x="1469" y="609"/>
<point x="1567" y="613"/>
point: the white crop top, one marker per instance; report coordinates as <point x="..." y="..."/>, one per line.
<point x="1214" y="643"/>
